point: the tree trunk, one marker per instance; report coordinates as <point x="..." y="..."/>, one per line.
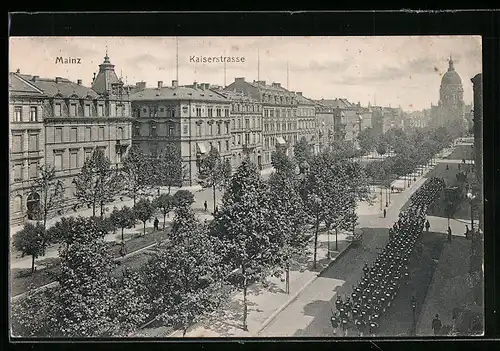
<point x="245" y="307"/>
<point x="164" y="219"/>
<point x="32" y="263"/>
<point x="336" y="239"/>
<point x="144" y="227"/>
<point x="316" y="243"/>
<point x="288" y="278"/>
<point x="169" y="187"/>
<point x="122" y="234"/>
<point x="213" y="191"/>
<point x="184" y="331"/>
<point x="134" y="197"/>
<point x="93" y="209"/>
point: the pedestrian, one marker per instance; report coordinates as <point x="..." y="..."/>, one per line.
<point x="447" y="167"/>
<point x="334" y="320"/>
<point x="216" y="209"/>
<point x="449" y="234"/>
<point x="459" y="166"/>
<point x="436" y="325"/>
<point x="205" y="205"/>
<point x="427" y="226"/>
<point x="467" y="232"/>
<point x="156" y="223"/>
<point x="385" y="213"/>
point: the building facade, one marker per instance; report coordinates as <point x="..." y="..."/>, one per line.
<point x="307" y="123"/>
<point x="246" y="128"/>
<point x="279" y="114"/>
<point x="193" y="118"/>
<point x="72" y="120"/>
<point x="26" y="146"/>
<point x="477" y="82"/>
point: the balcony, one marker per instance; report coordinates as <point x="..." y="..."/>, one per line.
<point x="249" y="147"/>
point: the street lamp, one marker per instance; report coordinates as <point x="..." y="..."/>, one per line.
<point x="471" y="198"/>
<point x="413" y="309"/>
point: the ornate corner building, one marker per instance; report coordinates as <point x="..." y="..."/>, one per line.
<point x="57" y="122"/>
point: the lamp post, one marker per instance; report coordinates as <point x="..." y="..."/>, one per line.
<point x="413" y="309"/>
<point x="471" y="198"/>
<point x="360" y="121"/>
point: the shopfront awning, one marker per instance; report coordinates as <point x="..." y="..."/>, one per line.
<point x="280" y="141"/>
<point x="201" y="148"/>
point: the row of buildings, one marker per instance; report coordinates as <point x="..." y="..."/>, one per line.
<point x="58" y="122"/>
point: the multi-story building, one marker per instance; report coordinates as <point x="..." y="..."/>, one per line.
<point x="246" y="128"/>
<point x="307" y="124"/>
<point x="71" y="120"/>
<point x="385" y="118"/>
<point x="478" y="136"/>
<point x="27" y="149"/>
<point x="280" y="113"/>
<point x="331" y="122"/>
<point x="194" y="118"/>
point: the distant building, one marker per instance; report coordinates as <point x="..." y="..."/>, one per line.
<point x="450" y="111"/>
<point x="194" y="118"/>
<point x="328" y="121"/>
<point x="56" y="122"/>
<point x="280" y="114"/>
<point x="307" y="124"/>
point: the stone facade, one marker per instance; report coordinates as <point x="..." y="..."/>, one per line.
<point x="478" y="135"/>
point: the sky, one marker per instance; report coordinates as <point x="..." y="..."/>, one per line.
<point x="389" y="71"/>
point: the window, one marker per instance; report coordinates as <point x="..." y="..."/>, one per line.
<point x="185" y="131"/>
<point x="18" y="114"/>
<point x="58" y="135"/>
<point x="152" y="130"/>
<point x="58" y="164"/>
<point x="101" y="133"/>
<point x="239" y="123"/>
<point x="247" y="138"/>
<point x="33" y="114"/>
<point x="227" y="128"/>
<point x="73" y="159"/>
<point x="17" y="143"/>
<point x="211" y="129"/>
<point x="171" y="130"/>
<point x="119" y="133"/>
<point x="88" y="153"/>
<point x="87" y="110"/>
<point x="100" y="111"/>
<point x="74" y="135"/>
<point x="226" y="112"/>
<point x="227" y="145"/>
<point x="119" y="111"/>
<point x="239" y="139"/>
<point x="88" y="134"/>
<point x="33" y="142"/>
<point x="18" y="172"/>
<point x="218" y="128"/>
<point x="33" y="170"/>
<point x="277" y="113"/>
<point x="210" y="112"/>
<point x="198" y="112"/>
<point x="271" y="113"/>
<point x="247" y="123"/>
<point x="72" y="110"/>
<point x="18" y="203"/>
<point x="219" y="112"/>
<point x="162" y="109"/>
<point x="198" y="129"/>
<point x="218" y="146"/>
<point x="58" y="110"/>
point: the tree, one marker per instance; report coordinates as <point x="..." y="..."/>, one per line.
<point x="282" y="163"/>
<point x="31" y="241"/>
<point x="50" y="189"/>
<point x="172" y="171"/>
<point x="31" y="315"/>
<point x="96" y="184"/>
<point x="244" y="230"/>
<point x="366" y="140"/>
<point x="85" y="298"/>
<point x="213" y="172"/>
<point x="143" y="210"/>
<point x="135" y="173"/>
<point x="302" y="153"/>
<point x="183" y="198"/>
<point x="69" y="230"/>
<point x="287" y="214"/>
<point x="381" y="145"/>
<point x="164" y="202"/>
<point x="185" y="277"/>
<point x="123" y="218"/>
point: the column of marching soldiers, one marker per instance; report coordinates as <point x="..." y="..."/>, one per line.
<point x="373" y="295"/>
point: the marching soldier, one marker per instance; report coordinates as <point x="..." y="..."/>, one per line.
<point x="334" y="320"/>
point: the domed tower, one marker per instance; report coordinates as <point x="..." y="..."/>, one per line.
<point x="451" y="100"/>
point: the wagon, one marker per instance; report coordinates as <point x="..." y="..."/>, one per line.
<point x="357" y="238"/>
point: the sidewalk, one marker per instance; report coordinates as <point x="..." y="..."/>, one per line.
<point x="265" y="300"/>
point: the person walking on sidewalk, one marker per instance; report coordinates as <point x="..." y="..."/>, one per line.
<point x="449" y="234"/>
<point x="466" y="232"/>
<point x="427" y="226"/>
<point x="334" y="320"/>
<point x="436" y="325"/>
<point x="156" y="223"/>
<point x="205" y="205"/>
<point x="385" y="213"/>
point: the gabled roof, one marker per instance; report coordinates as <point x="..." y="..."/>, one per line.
<point x="64" y="88"/>
<point x="18" y="86"/>
<point x="179" y="93"/>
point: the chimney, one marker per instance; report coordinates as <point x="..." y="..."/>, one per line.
<point x="140" y="85"/>
<point x="79" y="82"/>
<point x="276" y="85"/>
<point x="299" y="93"/>
<point x="35" y="78"/>
<point x="195" y="85"/>
<point x="207" y="86"/>
<point x="239" y="79"/>
<point x="175" y="84"/>
<point x="160" y="84"/>
<point x="58" y="79"/>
